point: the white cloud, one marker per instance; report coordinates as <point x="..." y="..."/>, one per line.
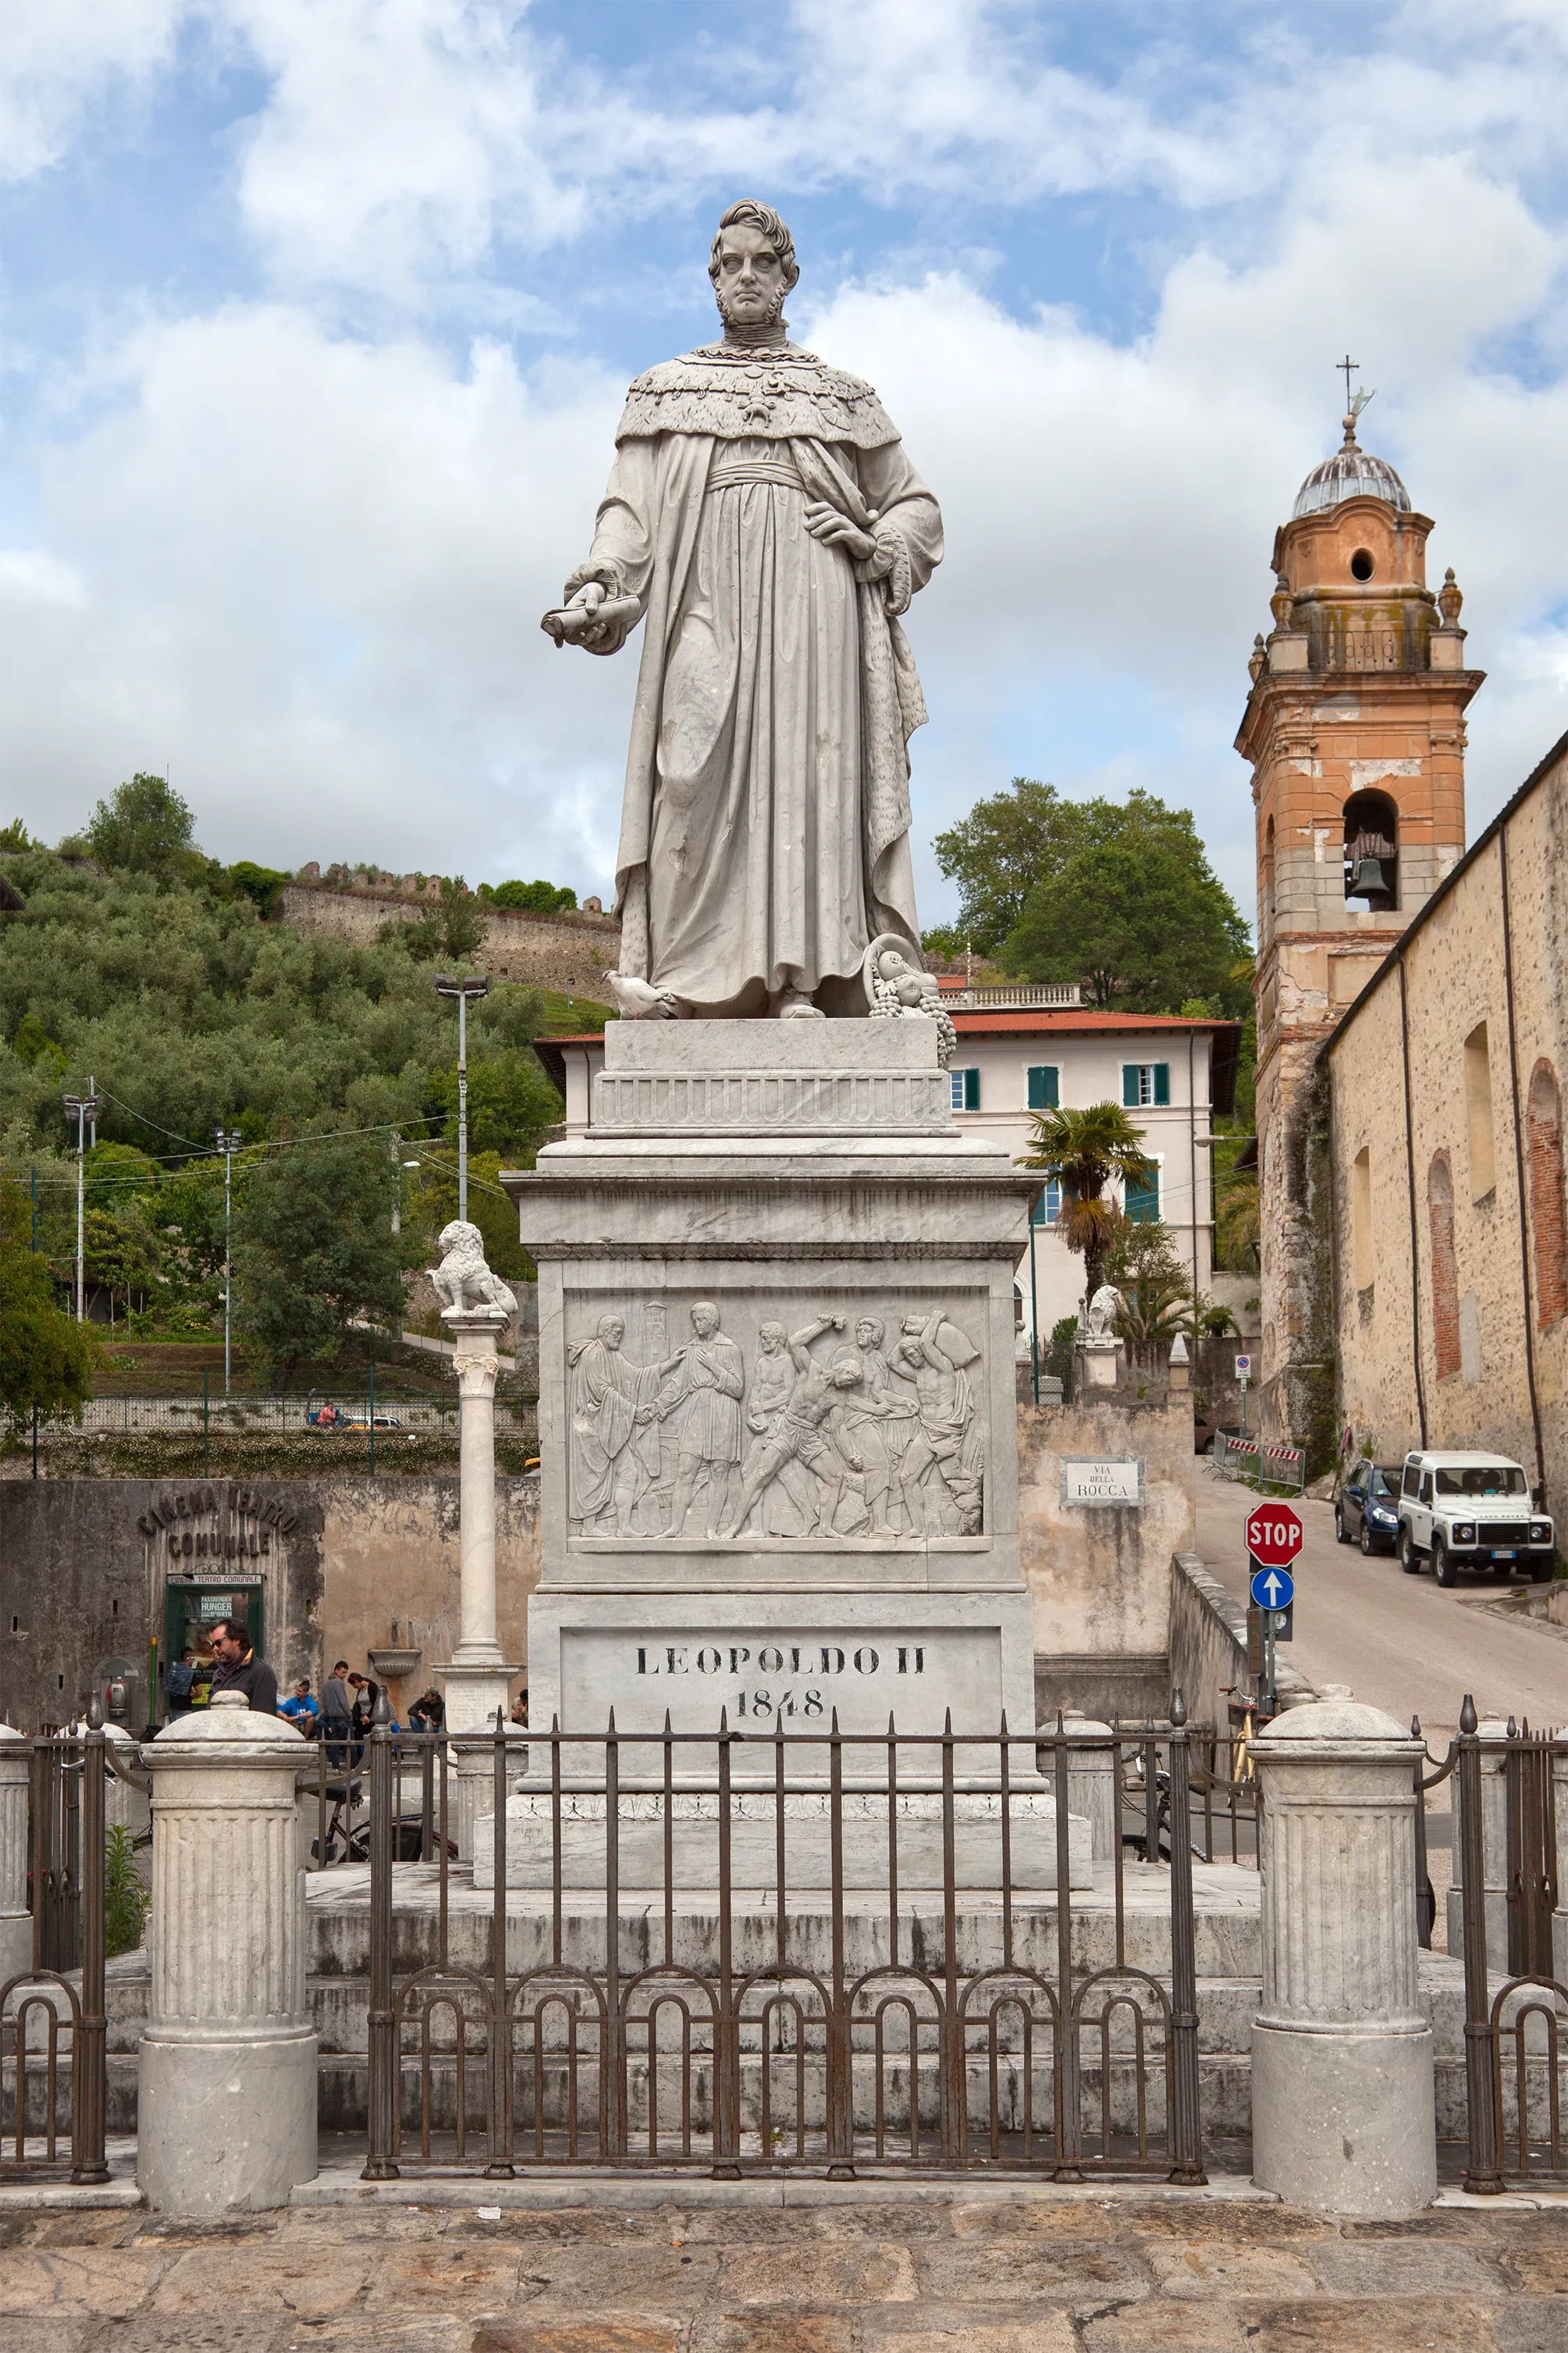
<point x="56" y="57"/>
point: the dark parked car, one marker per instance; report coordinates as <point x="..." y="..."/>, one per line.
<point x="1368" y="1507"/>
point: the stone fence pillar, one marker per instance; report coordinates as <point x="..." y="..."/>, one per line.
<point x="1092" y="1775"/>
<point x="15" y="1920"/>
<point x="1560" y="1916"/>
<point x="228" y="2065"/>
<point x="1342" y="2110"/>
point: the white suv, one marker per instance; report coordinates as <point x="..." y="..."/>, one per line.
<point x="1470" y="1510"/>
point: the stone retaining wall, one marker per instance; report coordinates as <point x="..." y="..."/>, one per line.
<point x="572" y="953"/>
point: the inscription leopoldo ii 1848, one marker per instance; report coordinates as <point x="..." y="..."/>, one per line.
<point x="833" y="1433"/>
<point x="766" y="1682"/>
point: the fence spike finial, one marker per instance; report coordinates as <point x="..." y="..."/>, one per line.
<point x="381" y="1712"/>
<point x="1467" y="1715"/>
<point x="1415" y="1727"/>
<point x="610" y="1732"/>
<point x="95" y="1714"/>
<point x="1512" y="1733"/>
<point x="669" y="1727"/>
<point x="1178" y="1706"/>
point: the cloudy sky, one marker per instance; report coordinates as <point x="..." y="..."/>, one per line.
<point x="316" y="316"/>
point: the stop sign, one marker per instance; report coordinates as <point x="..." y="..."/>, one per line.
<point x="1274" y="1535"/>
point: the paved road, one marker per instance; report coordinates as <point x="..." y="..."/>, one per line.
<point x="1400" y="1641"/>
<point x="1099" y="2273"/>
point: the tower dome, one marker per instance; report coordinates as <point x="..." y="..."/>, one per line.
<point x="1351" y="472"/>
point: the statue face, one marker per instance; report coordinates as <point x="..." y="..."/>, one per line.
<point x="769" y="1338"/>
<point x="867" y="1334"/>
<point x="845" y="1374"/>
<point x="750" y="284"/>
<point x="704" y="1321"/>
<point x="612" y="1331"/>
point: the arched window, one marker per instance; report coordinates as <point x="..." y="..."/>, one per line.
<point x="1544" y="1116"/>
<point x="1445" y="1267"/>
<point x="1372" y="850"/>
<point x="1266" y="888"/>
<point x="1361" y="1218"/>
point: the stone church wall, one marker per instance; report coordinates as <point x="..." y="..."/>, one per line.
<point x="1484" y="1313"/>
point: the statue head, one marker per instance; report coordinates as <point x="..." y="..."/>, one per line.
<point x="612" y="1330"/>
<point x="869" y="1332"/>
<point x="464" y="1241"/>
<point x="771" y="1338"/>
<point x="705" y="1319"/>
<point x="753" y="265"/>
<point x="846" y="1371"/>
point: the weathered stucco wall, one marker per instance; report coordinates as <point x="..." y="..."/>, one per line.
<point x="1480" y="1308"/>
<point x="1100" y="1575"/>
<point x="84" y="1566"/>
<point x="571" y="951"/>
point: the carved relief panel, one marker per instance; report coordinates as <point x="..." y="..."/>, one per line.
<point x="812" y="1422"/>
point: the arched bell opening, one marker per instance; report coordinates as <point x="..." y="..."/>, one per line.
<point x="1371" y="851"/>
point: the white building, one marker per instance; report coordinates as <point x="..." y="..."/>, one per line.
<point x="1024" y="1049"/>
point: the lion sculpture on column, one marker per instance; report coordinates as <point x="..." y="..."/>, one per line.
<point x="463" y="1280"/>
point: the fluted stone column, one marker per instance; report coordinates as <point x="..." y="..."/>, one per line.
<point x="228" y="2065"/>
<point x="1091" y="1785"/>
<point x="15" y="1920"/>
<point x="1343" y="2113"/>
<point x="477" y="1680"/>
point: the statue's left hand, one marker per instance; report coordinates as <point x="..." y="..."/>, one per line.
<point x="836" y="530"/>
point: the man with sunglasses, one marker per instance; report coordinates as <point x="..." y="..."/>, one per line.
<point x="239" y="1668"/>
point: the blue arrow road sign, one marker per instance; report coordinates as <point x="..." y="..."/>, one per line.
<point x="1273" y="1588"/>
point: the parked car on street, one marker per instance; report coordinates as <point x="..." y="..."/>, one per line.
<point x="1367" y="1508"/>
<point x="1472" y="1511"/>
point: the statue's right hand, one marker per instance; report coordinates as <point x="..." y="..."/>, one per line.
<point x="577" y="622"/>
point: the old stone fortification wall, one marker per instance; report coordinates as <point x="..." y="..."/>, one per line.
<point x="1099" y="1574"/>
<point x="1478" y="1274"/>
<point x="569" y="952"/>
<point x="87" y="1562"/>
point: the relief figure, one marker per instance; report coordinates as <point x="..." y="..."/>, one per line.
<point x="773" y="1379"/>
<point x="700" y="1392"/>
<point x="613" y="1429"/>
<point x="810" y="1429"/>
<point x="933" y="1354"/>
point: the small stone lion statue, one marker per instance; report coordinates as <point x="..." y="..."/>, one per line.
<point x="462" y="1278"/>
<point x="1103" y="1310"/>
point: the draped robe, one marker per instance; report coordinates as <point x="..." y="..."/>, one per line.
<point x="764" y="836"/>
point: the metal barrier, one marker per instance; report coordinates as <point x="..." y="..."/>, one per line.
<point x="1521" y="2017"/>
<point x="284" y="1413"/>
<point x="54" y="2032"/>
<point x="1249" y="1459"/>
<point x="750" y="2029"/>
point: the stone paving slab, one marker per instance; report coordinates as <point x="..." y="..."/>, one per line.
<point x="1091" y="2270"/>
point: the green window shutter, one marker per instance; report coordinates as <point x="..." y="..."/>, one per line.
<point x="971" y="1091"/>
<point x="1043" y="1091"/>
<point x="1130" y="1086"/>
<point x="1162" y="1083"/>
<point x="1144" y="1200"/>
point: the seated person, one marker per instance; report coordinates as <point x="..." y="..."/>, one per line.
<point x="301" y="1708"/>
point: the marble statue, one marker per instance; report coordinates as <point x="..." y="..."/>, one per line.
<point x="1103" y="1310"/>
<point x="463" y="1280"/>
<point x="613" y="1450"/>
<point x="763" y="522"/>
<point x="898" y="992"/>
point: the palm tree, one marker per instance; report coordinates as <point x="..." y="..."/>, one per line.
<point x="1082" y="1151"/>
<point x="1237" y="1221"/>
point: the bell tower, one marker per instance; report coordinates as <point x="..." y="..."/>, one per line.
<point x="1355" y="731"/>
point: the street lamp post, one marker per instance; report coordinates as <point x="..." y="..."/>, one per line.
<point x="470" y="985"/>
<point x="228" y="1141"/>
<point x="86" y="1108"/>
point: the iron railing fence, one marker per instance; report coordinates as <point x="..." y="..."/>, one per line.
<point x="615" y="2013"/>
<point x="53" y="2024"/>
<point x="1514" y="2058"/>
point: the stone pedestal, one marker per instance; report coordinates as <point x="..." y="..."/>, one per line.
<point x="1100" y="1363"/>
<point x="477" y="1681"/>
<point x="777" y="1415"/>
<point x="1091" y="1786"/>
<point x="1343" y="2112"/>
<point x="227" y="2066"/>
<point x="15" y="1920"/>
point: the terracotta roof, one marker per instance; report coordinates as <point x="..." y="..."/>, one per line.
<point x="1068" y="1018"/>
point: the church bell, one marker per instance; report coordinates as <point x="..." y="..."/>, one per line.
<point x="1367" y="881"/>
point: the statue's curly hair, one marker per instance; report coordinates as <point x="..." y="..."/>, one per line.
<point x="752" y="215"/>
